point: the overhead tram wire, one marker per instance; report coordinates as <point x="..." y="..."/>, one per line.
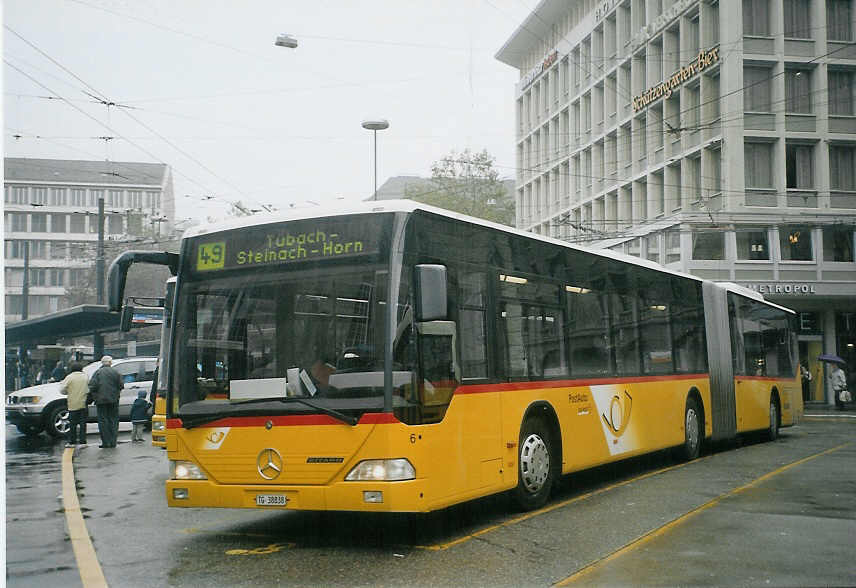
<point x="108" y="103"/>
<point x="86" y="114"/>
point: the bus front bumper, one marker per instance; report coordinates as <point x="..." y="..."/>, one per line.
<point x="403" y="496"/>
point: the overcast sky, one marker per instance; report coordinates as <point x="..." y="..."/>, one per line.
<point x="238" y="118"/>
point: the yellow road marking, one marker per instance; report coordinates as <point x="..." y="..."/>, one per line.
<point x="87" y="562"/>
<point x="267" y="549"/>
<point x="654" y="533"/>
<point x="546" y="509"/>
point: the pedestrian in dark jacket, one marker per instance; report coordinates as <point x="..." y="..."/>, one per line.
<point x="139" y="416"/>
<point x="105" y="387"/>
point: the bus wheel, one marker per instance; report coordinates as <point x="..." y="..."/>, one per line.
<point x="536" y="472"/>
<point x="692" y="430"/>
<point x="773" y="430"/>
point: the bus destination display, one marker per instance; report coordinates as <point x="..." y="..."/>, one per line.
<point x="290" y="242"/>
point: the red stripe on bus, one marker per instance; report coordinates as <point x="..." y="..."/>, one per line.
<point x="293" y="420"/>
<point x="507" y="386"/>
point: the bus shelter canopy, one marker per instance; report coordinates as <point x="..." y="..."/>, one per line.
<point x="79" y="321"/>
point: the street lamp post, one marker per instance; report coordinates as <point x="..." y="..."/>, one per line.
<point x="374" y="126"/>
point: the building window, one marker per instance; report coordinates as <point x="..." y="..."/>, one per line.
<point x="838" y="20"/>
<point x="838" y="244"/>
<point x="38" y="249"/>
<point x="798" y="91"/>
<point x="57" y="197"/>
<point x="14" y="304"/>
<point x="135" y="199"/>
<point x="842" y="167"/>
<point x="653" y="249"/>
<point x="14" y="277"/>
<point x="59" y="249"/>
<point x="78" y="197"/>
<point x="797" y="19"/>
<point x="756" y="17"/>
<point x="114" y="224"/>
<point x="756" y="88"/>
<point x="758" y="161"/>
<point x="795" y="243"/>
<point x="77" y="223"/>
<point x="114" y="198"/>
<point x="752" y="244"/>
<point x="673" y="245"/>
<point x="16" y="222"/>
<point x="709" y="245"/>
<point x="40" y="196"/>
<point x="798" y="167"/>
<point x="59" y="224"/>
<point x="39" y="222"/>
<point x="37" y="277"/>
<point x="18" y="195"/>
<point x="56" y="277"/>
<point x="841" y="92"/>
<point x="95" y="196"/>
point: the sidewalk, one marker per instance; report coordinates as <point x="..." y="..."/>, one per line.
<point x="824" y="410"/>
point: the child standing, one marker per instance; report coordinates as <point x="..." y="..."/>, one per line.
<point x="139" y="416"/>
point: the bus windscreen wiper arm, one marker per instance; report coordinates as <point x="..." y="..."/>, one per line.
<point x="350" y="420"/>
<point x="191" y="422"/>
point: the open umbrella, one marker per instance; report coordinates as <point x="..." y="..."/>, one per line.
<point x="831" y="358"/>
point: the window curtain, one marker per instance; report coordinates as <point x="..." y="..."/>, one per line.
<point x="756" y="17"/>
<point x="756" y="89"/>
<point x="842" y="168"/>
<point x="797" y="19"/>
<point x="798" y="91"/>
<point x="838" y="24"/>
<point x="841" y="92"/>
<point x="758" y="165"/>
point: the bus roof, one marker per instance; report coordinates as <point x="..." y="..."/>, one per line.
<point x="409" y="206"/>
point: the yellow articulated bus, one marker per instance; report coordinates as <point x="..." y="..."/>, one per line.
<point x="399" y="357"/>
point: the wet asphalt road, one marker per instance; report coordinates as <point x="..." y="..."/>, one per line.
<point x="796" y="527"/>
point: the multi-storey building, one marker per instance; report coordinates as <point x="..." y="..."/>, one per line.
<point x="714" y="137"/>
<point x="51" y="207"/>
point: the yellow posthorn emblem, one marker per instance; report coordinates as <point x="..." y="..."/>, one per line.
<point x="619" y="413"/>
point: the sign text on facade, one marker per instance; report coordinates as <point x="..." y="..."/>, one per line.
<point x="705" y="59"/>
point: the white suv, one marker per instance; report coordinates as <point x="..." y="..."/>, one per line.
<point x="43" y="408"/>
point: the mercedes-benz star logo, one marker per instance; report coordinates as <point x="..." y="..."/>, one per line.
<point x="269" y="463"/>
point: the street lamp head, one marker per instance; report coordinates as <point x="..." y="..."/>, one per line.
<point x="376" y="124"/>
<point x="286" y="40"/>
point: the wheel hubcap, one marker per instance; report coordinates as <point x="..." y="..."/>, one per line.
<point x="61" y="423"/>
<point x="774" y="417"/>
<point x="534" y="463"/>
<point x="692" y="428"/>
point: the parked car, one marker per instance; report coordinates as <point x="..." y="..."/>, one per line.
<point x="43" y="408"/>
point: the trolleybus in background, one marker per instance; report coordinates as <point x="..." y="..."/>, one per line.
<point x="398" y="357"/>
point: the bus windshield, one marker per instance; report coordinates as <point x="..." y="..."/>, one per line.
<point x="314" y="334"/>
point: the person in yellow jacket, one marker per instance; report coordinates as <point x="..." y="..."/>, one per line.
<point x="75" y="387"/>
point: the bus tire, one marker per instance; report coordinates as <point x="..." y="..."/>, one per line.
<point x="772" y="432"/>
<point x="693" y="430"/>
<point x="536" y="472"/>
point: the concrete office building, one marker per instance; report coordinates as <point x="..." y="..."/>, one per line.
<point x="714" y="137"/>
<point x="51" y="206"/>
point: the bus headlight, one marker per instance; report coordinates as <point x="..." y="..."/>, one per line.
<point x="185" y="470"/>
<point x="388" y="470"/>
<point x="158" y="426"/>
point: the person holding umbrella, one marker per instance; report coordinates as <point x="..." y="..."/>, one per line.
<point x="838" y="379"/>
<point x="839" y="386"/>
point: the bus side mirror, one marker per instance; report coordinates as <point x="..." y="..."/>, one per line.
<point x="430" y="286"/>
<point x="127" y="318"/>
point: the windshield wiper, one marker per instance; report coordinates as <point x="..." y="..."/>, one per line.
<point x="347" y="419"/>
